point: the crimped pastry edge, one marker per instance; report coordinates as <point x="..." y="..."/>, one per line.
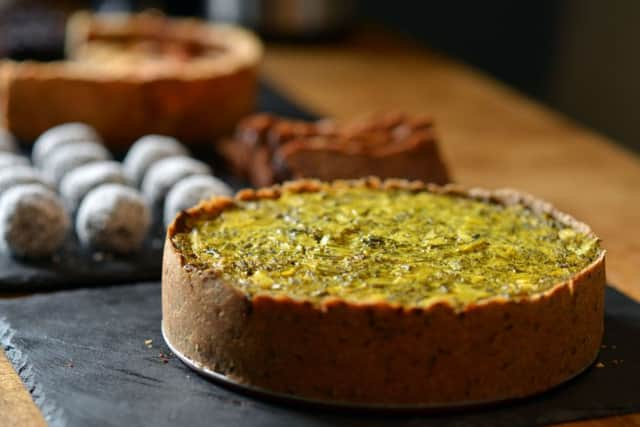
<point x="505" y="196"/>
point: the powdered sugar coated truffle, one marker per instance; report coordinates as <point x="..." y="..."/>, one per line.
<point x="148" y="150"/>
<point x="11" y="159"/>
<point x="20" y="175"/>
<point x="76" y="184"/>
<point x="33" y="221"/>
<point x="165" y="173"/>
<point x="190" y="191"/>
<point x="59" y="136"/>
<point x="68" y="157"/>
<point x="113" y="218"/>
<point x="7" y="141"/>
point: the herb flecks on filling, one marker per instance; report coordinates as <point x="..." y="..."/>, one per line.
<point x="395" y="245"/>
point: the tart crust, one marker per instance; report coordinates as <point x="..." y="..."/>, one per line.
<point x="380" y="352"/>
<point x="193" y="99"/>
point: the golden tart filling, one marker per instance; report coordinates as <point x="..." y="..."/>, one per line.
<point x="397" y="245"/>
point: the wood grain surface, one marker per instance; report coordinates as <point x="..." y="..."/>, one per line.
<point x="491" y="136"/>
<point x="16" y="406"/>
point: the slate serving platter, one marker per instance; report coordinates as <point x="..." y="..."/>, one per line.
<point x="82" y="354"/>
<point x="74" y="266"/>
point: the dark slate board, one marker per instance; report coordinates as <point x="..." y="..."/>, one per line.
<point x="74" y="266"/>
<point x="82" y="354"/>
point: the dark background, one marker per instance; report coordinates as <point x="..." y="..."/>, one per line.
<point x="580" y="57"/>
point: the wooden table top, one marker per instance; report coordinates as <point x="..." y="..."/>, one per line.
<point x="491" y="136"/>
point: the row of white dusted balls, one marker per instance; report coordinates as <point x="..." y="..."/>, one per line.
<point x="72" y="178"/>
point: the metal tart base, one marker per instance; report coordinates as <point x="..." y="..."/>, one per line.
<point x="264" y="394"/>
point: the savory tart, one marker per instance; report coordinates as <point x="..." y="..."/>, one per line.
<point x="267" y="149"/>
<point x="384" y="292"/>
<point x="132" y="75"/>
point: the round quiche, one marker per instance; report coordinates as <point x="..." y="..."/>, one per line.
<point x="130" y="75"/>
<point x="384" y="292"/>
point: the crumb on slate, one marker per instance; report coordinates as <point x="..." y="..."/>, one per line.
<point x="148" y="343"/>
